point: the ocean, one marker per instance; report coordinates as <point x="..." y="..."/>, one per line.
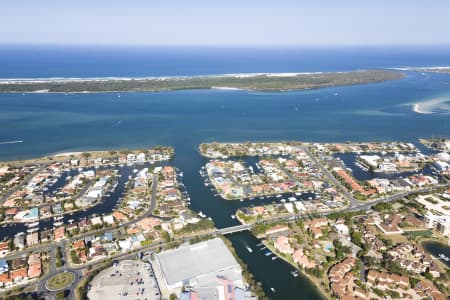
<point x="33" y="125"/>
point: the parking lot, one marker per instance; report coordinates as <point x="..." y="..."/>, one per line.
<point x="128" y="279"/>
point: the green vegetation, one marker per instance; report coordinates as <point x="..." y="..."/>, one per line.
<point x="419" y="233"/>
<point x="382" y="206"/>
<point x="74" y="257"/>
<point x="60" y="281"/>
<point x="259" y="229"/>
<point x="58" y="257"/>
<point x="201" y="225"/>
<point x="257" y="82"/>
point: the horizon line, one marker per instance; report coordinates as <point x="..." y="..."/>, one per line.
<point x="103" y="45"/>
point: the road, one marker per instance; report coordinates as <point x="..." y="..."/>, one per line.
<point x="352" y="201"/>
<point x="51" y="247"/>
<point x="23" y="183"/>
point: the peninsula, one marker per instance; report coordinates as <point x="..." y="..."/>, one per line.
<point x="253" y="81"/>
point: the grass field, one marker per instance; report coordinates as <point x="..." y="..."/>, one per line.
<point x="418" y="233"/>
<point x="60" y="281"/>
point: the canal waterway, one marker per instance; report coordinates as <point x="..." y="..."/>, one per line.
<point x="438" y="250"/>
<point x="52" y="123"/>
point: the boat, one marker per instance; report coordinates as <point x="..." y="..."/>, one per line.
<point x="274" y="257"/>
<point x="268" y="253"/>
<point x="259" y="244"/>
<point x="34" y="224"/>
<point x="278" y="196"/>
<point x="249" y="249"/>
<point x="272" y="289"/>
<point x="135" y="171"/>
<point x="294" y="273"/>
<point x="233" y="216"/>
<point x="444" y="257"/>
<point x="31" y="230"/>
<point x="57" y="224"/>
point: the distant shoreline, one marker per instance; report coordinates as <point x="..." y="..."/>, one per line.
<point x="244" y="81"/>
<point x="439" y="69"/>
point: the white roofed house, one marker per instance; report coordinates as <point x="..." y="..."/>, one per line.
<point x="140" y="157"/>
<point x="131" y="158"/>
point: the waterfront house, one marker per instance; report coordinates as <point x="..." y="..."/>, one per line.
<point x="18" y="263"/>
<point x="5" y="280"/>
<point x="59" y="233"/>
<point x="120" y="217"/>
<point x="131" y="158"/>
<point x="4" y="248"/>
<point x="4" y="266"/>
<point x="302" y="260"/>
<point x="19" y="274"/>
<point x="277" y="230"/>
<point x="46" y="235"/>
<point x="45" y="211"/>
<point x="140" y="157"/>
<point x="19" y="240"/>
<point x="32" y="238"/>
<point x="283" y="246"/>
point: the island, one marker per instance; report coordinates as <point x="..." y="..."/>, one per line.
<point x="253" y="81"/>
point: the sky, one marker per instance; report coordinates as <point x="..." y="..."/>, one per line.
<point x="225" y="23"/>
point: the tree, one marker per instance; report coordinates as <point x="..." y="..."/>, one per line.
<point x="173" y="297"/>
<point x="60" y="295"/>
<point x="165" y="236"/>
<point x="357" y="238"/>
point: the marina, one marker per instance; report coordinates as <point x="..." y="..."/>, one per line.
<point x="179" y="118"/>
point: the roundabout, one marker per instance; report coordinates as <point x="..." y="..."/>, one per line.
<point x="60" y="281"/>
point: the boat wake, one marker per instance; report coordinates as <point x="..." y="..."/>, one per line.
<point x="10" y="142"/>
